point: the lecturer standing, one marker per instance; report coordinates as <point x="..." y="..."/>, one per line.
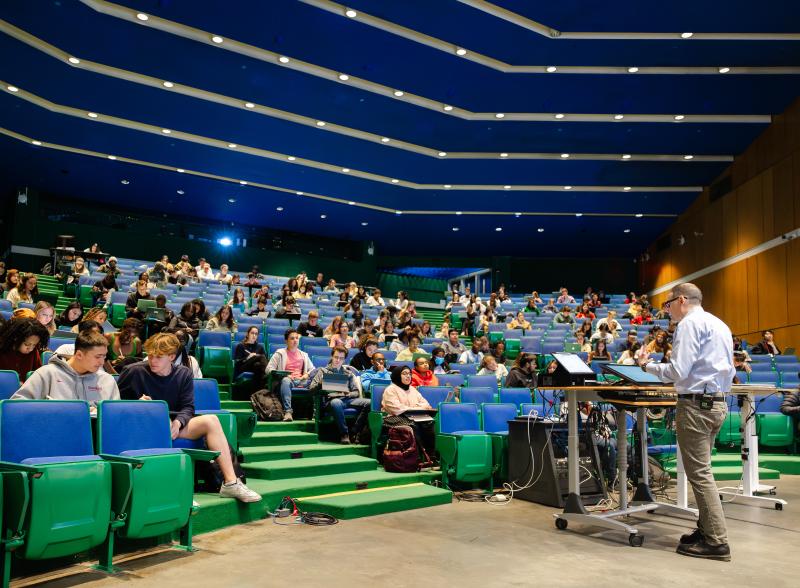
<point x="702" y="369"/>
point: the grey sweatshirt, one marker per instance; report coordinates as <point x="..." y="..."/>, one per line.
<point x="58" y="381"/>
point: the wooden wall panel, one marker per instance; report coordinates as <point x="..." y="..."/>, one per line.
<point x="793" y="278"/>
<point x="734" y="294"/>
<point x="783" y="197"/>
<point x="772" y="311"/>
<point x="752" y="293"/>
<point x="767" y="187"/>
<point x="710" y="246"/>
<point x="748" y="202"/>
<point x="796" y="186"/>
<point x="730" y="226"/>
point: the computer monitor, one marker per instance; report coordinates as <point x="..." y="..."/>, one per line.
<point x="633" y="374"/>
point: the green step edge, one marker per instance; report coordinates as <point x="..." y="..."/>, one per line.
<point x="256" y="454"/>
<point x="290" y="468"/>
<point x="364" y="504"/>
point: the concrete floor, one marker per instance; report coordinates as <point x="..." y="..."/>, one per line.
<point x="470" y="544"/>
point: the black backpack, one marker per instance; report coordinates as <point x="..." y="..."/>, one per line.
<point x="267" y="405"/>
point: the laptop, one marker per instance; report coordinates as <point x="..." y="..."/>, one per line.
<point x="143" y="304"/>
<point x="292" y="316"/>
<point x="335" y="383"/>
<point x="156" y="314"/>
<point x="420" y="415"/>
<point x="389" y="338"/>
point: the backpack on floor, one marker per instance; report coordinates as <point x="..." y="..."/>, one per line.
<point x="208" y="475"/>
<point x="400" y="454"/>
<point x="267" y="405"/>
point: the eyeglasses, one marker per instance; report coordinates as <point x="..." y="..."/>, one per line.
<point x="379" y="360"/>
<point x="671" y="300"/>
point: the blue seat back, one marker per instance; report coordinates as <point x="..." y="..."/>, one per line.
<point x="377" y="396"/>
<point x="465" y="369"/>
<point x="766" y="404"/>
<point x="516" y="396"/>
<point x="496" y="416"/>
<point x="6" y="305"/>
<point x="320" y="360"/>
<point x="436" y="394"/>
<point x="527" y="408"/>
<point x="125" y="425"/>
<point x="206" y="394"/>
<point x="408" y="364"/>
<point x="44" y="428"/>
<point x="477" y="395"/>
<point x="454" y="380"/>
<point x="458" y="416"/>
<point x="56" y="342"/>
<point x="764" y="377"/>
<point x="9" y="383"/>
<point x="213" y="339"/>
<point x="488" y="381"/>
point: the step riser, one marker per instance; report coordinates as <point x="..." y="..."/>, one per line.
<point x="301" y="471"/>
<point x="377" y="506"/>
<point x="264" y="427"/>
<point x="287" y="438"/>
<point x="276" y="453"/>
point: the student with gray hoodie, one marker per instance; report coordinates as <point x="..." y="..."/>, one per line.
<point x="76" y="378"/>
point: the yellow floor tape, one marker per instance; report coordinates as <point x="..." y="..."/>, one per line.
<point x="364" y="491"/>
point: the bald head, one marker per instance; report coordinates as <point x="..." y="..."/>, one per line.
<point x="692" y="293"/>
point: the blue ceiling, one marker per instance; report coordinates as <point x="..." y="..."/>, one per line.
<point x="345" y="45"/>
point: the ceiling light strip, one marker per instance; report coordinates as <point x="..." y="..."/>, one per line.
<point x="241" y="104"/>
<point x="282" y="157"/>
<point x="402" y="95"/>
<point x="501" y="66"/>
<point x="551" y="33"/>
<point x="314" y="196"/>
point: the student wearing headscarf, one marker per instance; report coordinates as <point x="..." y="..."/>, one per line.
<point x="401" y="396"/>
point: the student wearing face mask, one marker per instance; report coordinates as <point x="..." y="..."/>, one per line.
<point x="439" y="360"/>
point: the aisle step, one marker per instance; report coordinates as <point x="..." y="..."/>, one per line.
<point x="274" y="452"/>
<point x="271" y="438"/>
<point x="236" y="405"/>
<point x="285" y="426"/>
<point x="282" y="469"/>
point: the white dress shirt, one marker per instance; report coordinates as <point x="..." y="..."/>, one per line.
<point x="702" y="355"/>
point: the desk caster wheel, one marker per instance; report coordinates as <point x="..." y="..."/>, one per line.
<point x="561" y="524"/>
<point x="635" y="540"/>
<point x="778" y="506"/>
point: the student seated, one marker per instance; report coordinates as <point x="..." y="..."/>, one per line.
<point x="401" y="396"/>
<point x="363" y="359"/>
<point x="453" y="348"/>
<point x="342" y="338"/>
<point x="523" y="373"/>
<point x="422" y="375"/>
<point x="71" y="315"/>
<point x="294" y="361"/>
<point x="25" y="291"/>
<point x="439" y="361"/>
<point x="766" y="345"/>
<point x="249" y="356"/>
<point x="67" y="350"/>
<point x="159" y="379"/>
<point x="222" y="321"/>
<point x="183" y="357"/>
<point x="489" y="366"/>
<point x="473" y="355"/>
<point x="102" y="289"/>
<point x="260" y="309"/>
<point x="377" y="371"/>
<point x="353" y="398"/>
<point x="81" y="377"/>
<point x="124" y="347"/>
<point x="132" y="303"/>
<point x="22" y="341"/>
<point x="407" y="354"/>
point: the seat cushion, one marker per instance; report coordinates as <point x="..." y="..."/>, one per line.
<point x="59" y="459"/>
<point x="468" y="432"/>
<point x="503" y="433"/>
<point x="151" y="452"/>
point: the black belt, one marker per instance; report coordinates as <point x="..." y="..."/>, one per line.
<point x="720" y="397"/>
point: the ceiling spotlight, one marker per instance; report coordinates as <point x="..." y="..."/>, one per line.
<point x="626" y="156"/>
<point x="283" y="59"/>
<point x="688" y="157"/>
<point x="364" y="224"/>
<point x="504" y="155"/>
<point x="551" y="69"/>
<point x="351" y="203"/>
<point x="142" y="16"/>
<point x="168" y="84"/>
<point x="249" y="105"/>
<point x="291" y="158"/>
<point x="498" y="229"/>
<point x="320" y="123"/>
<point x="242" y="182"/>
<point x="619" y="116"/>
<point x="506" y="187"/>
<point x="395" y="180"/>
<point x="398" y="212"/>
<point x="165" y="131"/>
<point x="344" y="77"/>
<point x="724" y="69"/>
<point x="299" y="193"/>
<point x="346" y="170"/>
<point x="639" y="215"/>
<point x="91" y="114"/>
<point x="461" y="51"/>
<point x="499" y="115"/>
<point x="565" y="156"/>
<point x="350" y="13"/>
<point x="232" y="145"/>
<point x="180" y="171"/>
<point x="455" y="228"/>
<point x="231" y="200"/>
<point x="459" y="213"/>
<point x="627" y="188"/>
<point x="442" y="154"/>
<point x="633" y="69"/>
<point x="112" y="157"/>
<point x="540" y="230"/>
<point x="559" y="116"/>
<point x="568" y="187"/>
<point x="279" y="209"/>
<point x="448" y="108"/>
<point x="323" y="216"/>
<point x="686" y="35"/>
<point x="398" y="93"/>
<point x="124" y="182"/>
<point x="517" y="214"/>
<point x="35" y="142"/>
<point x="626" y="231"/>
<point x="579" y="214"/>
<point x="13" y="89"/>
<point x="181" y="192"/>
<point x="217" y="39"/>
<point x="74" y="60"/>
<point x="385" y="139"/>
<point x="447" y="186"/>
<point x="679" y="117"/>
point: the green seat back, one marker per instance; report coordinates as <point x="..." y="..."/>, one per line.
<point x="217" y="363"/>
<point x="512" y="348"/>
<point x="473" y="458"/>
<point x="774" y="430"/>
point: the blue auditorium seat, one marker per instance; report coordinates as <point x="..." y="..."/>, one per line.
<point x="516" y="396"/>
<point x="481" y="381"/>
<point x="477" y="395"/>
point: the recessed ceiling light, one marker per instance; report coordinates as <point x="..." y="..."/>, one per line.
<point x="540" y="230"/>
<point x="447" y="186"/>
<point x="242" y="182"/>
<point x="578" y="214"/>
<point x="323" y="216"/>
<point x="506" y="187"/>
<point x="13" y="89"/>
<point x="166" y="131"/>
<point x="448" y="108"/>
<point x="459" y="213"/>
<point x="217" y="39"/>
<point x="551" y="69"/>
<point x="35" y="142"/>
<point x="687" y="157"/>
<point x="724" y="69"/>
<point x="385" y="139"/>
<point x="568" y="187"/>
<point x="633" y="69"/>
<point x="364" y="224"/>
<point x="279" y="209"/>
<point x="517" y="214"/>
<point x="627" y="188"/>
<point x="498" y="229"/>
<point x="181" y="192"/>
<point x="398" y="212"/>
<point x="142" y="16"/>
<point x="231" y="200"/>
<point x="686" y="35"/>
<point x="394" y="180"/>
<point x="351" y="203"/>
<point x="346" y="170"/>
<point x="565" y="156"/>
<point x="291" y="158"/>
<point x="168" y="84"/>
<point x="344" y="77"/>
<point x="626" y="231"/>
<point x="504" y="155"/>
<point x="320" y="123"/>
<point x="461" y="51"/>
<point x="283" y="59"/>
<point x="299" y="193"/>
<point x="398" y="93"/>
<point x="74" y="60"/>
<point x="619" y="116"/>
<point x="249" y="105"/>
<point x="499" y="115"/>
<point x="232" y="145"/>
<point x="639" y="215"/>
<point x="350" y="13"/>
<point x="91" y="114"/>
<point x="124" y="182"/>
<point x="679" y="117"/>
<point x="626" y="156"/>
<point x="442" y="154"/>
<point x="455" y="228"/>
<point x="180" y="170"/>
<point x="559" y="116"/>
<point x="112" y="157"/>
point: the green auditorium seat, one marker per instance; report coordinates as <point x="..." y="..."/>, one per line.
<point x="465" y="450"/>
<point x="495" y="417"/>
<point x="375" y="418"/>
<point x="117" y="314"/>
<point x="774" y="428"/>
<point x="57" y="493"/>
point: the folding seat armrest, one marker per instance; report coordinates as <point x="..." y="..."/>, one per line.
<point x="200" y="454"/>
<point x="133" y="461"/>
<point x="8" y="466"/>
<point x="447" y="446"/>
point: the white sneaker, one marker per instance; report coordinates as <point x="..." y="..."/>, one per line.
<point x="239" y="491"/>
<point x="287" y="416"/>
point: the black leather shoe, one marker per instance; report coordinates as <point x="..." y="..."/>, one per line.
<point x="703" y="550"/>
<point x="691" y="538"/>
